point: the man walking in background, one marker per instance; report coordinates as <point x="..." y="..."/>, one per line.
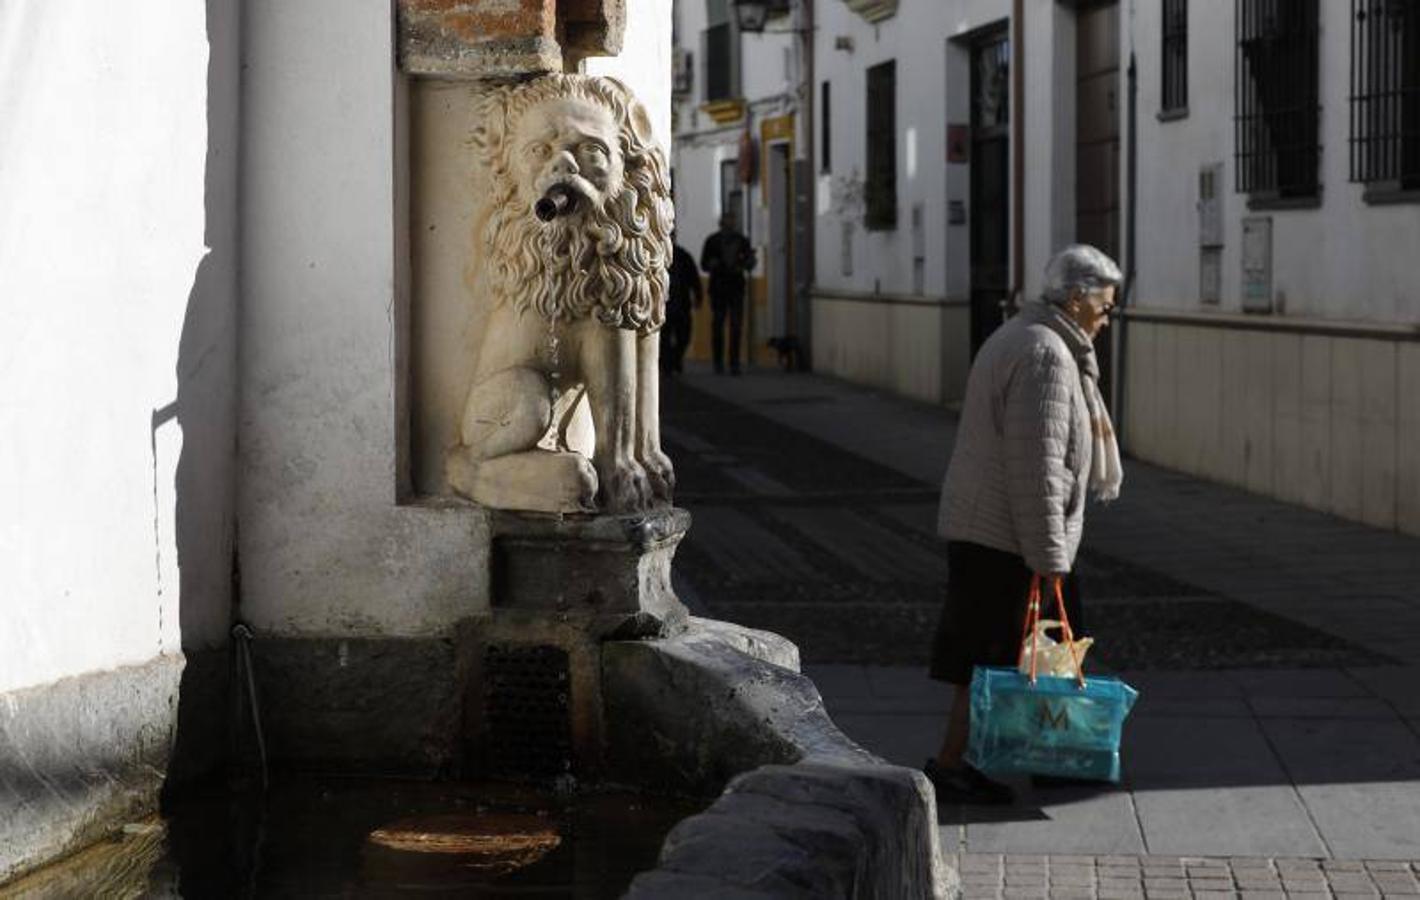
<point x="685" y="282"/>
<point x="727" y="257"/>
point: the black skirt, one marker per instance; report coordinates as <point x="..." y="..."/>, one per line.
<point x="985" y="610"/>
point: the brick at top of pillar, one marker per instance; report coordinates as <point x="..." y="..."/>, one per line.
<point x="478" y="38"/>
<point x="591" y="28"/>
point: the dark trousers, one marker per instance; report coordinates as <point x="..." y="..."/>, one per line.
<point x="730" y="307"/>
<point x="985" y="610"/>
<point x="675" y="340"/>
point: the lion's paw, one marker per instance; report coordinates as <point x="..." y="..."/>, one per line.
<point x="660" y="473"/>
<point x="625" y="487"/>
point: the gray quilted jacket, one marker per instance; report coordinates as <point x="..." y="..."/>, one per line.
<point x="1020" y="467"/>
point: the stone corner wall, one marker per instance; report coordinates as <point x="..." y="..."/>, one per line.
<point x="81" y="756"/>
<point x="806" y="812"/>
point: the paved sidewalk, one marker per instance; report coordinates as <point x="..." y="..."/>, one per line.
<point x="1127" y="877"/>
<point x="1277" y="650"/>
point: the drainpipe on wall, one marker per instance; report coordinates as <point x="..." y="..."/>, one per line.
<point x="804" y="189"/>
<point x="1131" y="247"/>
<point x="1018" y="151"/>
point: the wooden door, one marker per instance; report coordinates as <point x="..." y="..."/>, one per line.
<point x="989" y="211"/>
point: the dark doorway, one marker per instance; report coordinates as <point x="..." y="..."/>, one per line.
<point x="1097" y="141"/>
<point x="990" y="186"/>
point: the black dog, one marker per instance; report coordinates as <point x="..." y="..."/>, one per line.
<point x="791" y="357"/>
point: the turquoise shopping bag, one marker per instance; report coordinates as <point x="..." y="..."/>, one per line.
<point x="1052" y="727"/>
<point x="1047" y="725"/>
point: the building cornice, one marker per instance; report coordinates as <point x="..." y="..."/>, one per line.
<point x="873" y="10"/>
<point x="724" y="112"/>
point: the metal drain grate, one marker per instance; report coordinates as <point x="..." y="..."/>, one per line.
<point x="526" y="710"/>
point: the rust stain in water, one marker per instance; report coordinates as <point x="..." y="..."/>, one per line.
<point x="491" y="842"/>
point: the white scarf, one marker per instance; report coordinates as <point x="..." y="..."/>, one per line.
<point x="1106" y="471"/>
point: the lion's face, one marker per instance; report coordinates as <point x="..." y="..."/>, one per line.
<point x="571" y="142"/>
<point x="608" y="257"/>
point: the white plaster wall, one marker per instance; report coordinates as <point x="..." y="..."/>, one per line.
<point x="767" y="80"/>
<point x="327" y="546"/>
<point x="697" y="144"/>
<point x="918" y="39"/>
<point x="906" y="347"/>
<point x="697" y="189"/>
<point x="645" y="61"/>
<point x="917" y="350"/>
<point x="769" y="62"/>
<point x="1344" y="260"/>
<point x="762" y="56"/>
<point x="109" y="347"/>
<point x="1318" y="420"/>
<point x="1049" y="124"/>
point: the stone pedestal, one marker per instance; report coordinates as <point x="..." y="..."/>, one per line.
<point x="559" y="587"/>
<point x="611" y="575"/>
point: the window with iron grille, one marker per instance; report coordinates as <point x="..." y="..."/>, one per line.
<point x="1278" y="112"/>
<point x="880" y="187"/>
<point x="1385" y="93"/>
<point x="719" y="47"/>
<point x="1175" y="57"/>
<point x="826" y="124"/>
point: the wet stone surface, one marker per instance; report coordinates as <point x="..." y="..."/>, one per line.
<point x="839" y="554"/>
<point x="347" y="837"/>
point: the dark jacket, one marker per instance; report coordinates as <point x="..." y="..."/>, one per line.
<point x="685" y="283"/>
<point x="727" y="256"/>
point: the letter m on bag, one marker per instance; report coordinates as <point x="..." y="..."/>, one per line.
<point x="1053" y="718"/>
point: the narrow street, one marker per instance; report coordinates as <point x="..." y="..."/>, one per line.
<point x="1275" y="648"/>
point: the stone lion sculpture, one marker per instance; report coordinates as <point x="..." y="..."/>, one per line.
<point x="563" y="412"/>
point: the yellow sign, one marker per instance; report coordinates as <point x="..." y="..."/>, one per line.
<point x="779" y="128"/>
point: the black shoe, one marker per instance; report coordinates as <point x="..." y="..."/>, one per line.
<point x="735" y="370"/>
<point x="966" y="785"/>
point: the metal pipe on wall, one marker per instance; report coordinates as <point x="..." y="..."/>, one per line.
<point x="804" y="190"/>
<point x="1018" y="150"/>
<point x="1131" y="248"/>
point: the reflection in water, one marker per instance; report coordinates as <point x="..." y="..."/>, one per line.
<point x="347" y="837"/>
<point x="490" y="843"/>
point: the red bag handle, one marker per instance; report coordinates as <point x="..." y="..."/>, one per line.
<point x="1033" y="616"/>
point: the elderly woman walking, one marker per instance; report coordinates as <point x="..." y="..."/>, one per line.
<point x="1034" y="438"/>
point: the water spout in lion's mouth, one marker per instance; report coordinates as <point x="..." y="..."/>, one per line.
<point x="559" y="200"/>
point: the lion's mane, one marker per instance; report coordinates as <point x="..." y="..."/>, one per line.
<point x="612" y="261"/>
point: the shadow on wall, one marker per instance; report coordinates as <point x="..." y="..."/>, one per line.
<point x="205" y="410"/>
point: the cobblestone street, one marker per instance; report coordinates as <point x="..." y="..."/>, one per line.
<point x="1275" y="649"/>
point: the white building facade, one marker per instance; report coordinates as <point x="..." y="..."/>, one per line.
<point x="891" y="297"/>
<point x="1261" y="161"/>
<point x="741" y="147"/>
<point x="1275" y="340"/>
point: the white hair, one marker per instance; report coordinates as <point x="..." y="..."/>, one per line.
<point x="1078" y="267"/>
